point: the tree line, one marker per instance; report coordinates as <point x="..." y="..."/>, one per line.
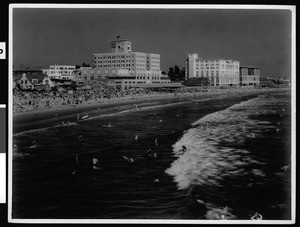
<point x="176" y="74"/>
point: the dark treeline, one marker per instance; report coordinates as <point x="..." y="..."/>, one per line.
<point x="176" y="74"/>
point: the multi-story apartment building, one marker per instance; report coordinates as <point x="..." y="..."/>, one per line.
<point x="219" y="71"/>
<point x="60" y="71"/>
<point x="142" y="68"/>
<point x="249" y="75"/>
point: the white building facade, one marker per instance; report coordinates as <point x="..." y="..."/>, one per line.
<point x="144" y="67"/>
<point x="221" y="72"/>
<point x="60" y="72"/>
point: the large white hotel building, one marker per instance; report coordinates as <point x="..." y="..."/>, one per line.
<point x="142" y="68"/>
<point x="219" y="71"/>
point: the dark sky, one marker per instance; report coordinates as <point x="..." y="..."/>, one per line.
<point x="70" y="36"/>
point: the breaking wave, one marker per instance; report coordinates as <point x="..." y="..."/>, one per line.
<point x="213" y="152"/>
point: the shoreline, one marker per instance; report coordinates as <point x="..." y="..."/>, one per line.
<point x="36" y="117"/>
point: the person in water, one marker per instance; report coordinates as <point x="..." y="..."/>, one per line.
<point x="80" y="138"/>
<point x="183" y="149"/>
<point x="156" y="142"/>
<point x="34" y="144"/>
<point x="150" y="154"/>
<point x="95" y="163"/>
<point x="128" y="159"/>
<point x="257" y="216"/>
<point x="15" y="148"/>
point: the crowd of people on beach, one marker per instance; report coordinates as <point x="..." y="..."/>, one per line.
<point x="32" y="100"/>
<point x="29" y="100"/>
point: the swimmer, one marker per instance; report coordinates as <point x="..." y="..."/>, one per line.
<point x="151" y="154"/>
<point x="34" y="144"/>
<point x="160" y="121"/>
<point x="200" y="201"/>
<point x="183" y="149"/>
<point x="257" y="216"/>
<point x="80" y="138"/>
<point x="128" y="159"/>
<point x="156" y="180"/>
<point x="285" y="168"/>
<point x="253" y="135"/>
<point x="84" y="117"/>
<point x="156" y="142"/>
<point x="95" y="163"/>
<point x="15" y="148"/>
<point x="277" y="130"/>
<point x="136" y="137"/>
<point x="278" y="123"/>
<point x="76" y="158"/>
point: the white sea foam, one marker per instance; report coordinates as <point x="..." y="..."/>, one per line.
<point x="211" y="142"/>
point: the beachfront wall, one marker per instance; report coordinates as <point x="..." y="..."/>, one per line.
<point x="249" y="76"/>
<point x="219" y="71"/>
<point x="145" y="67"/>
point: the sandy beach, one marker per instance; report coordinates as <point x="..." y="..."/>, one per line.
<point x="115" y="105"/>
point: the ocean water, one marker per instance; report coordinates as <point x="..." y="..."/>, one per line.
<point x="237" y="163"/>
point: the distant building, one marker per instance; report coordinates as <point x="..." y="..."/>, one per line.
<point x="140" y="68"/>
<point x="249" y="75"/>
<point x="219" y="71"/>
<point x="34" y="81"/>
<point x="60" y="72"/>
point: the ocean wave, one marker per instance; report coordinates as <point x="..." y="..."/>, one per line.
<point x="213" y="152"/>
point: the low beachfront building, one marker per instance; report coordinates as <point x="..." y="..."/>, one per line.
<point x="249" y="76"/>
<point x="221" y="72"/>
<point x="60" y="72"/>
<point x="144" y="67"/>
<point x="35" y="81"/>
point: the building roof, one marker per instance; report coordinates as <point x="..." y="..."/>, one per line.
<point x="38" y="76"/>
<point x="249" y="66"/>
<point x="120" y="40"/>
<point x="214" y="59"/>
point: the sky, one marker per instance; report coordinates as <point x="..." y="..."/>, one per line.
<point x="259" y="37"/>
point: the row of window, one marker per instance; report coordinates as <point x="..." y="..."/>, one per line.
<point x="62" y="72"/>
<point x="153" y="58"/>
<point x="62" y="68"/>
